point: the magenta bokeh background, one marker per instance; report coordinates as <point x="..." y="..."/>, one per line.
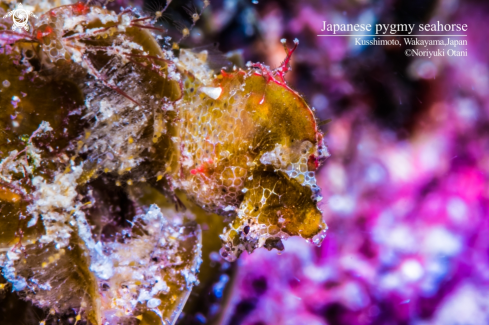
<point x="406" y="187"/>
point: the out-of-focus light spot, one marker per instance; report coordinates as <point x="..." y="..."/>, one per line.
<point x="215" y="257"/>
<point x="341" y="204"/>
<point x="400" y="166"/>
<point x="423" y="69"/>
<point x="299" y="247"/>
<point x="435" y="271"/>
<point x="467" y="110"/>
<point x="375" y="173"/>
<point x="317" y="274"/>
<point x="336" y="177"/>
<point x="218" y="288"/>
<point x="355" y="296"/>
<point x="412" y="270"/>
<point x="249" y="18"/>
<point x="320" y="102"/>
<point x="214" y="309"/>
<point x="437" y="268"/>
<point x="480" y="79"/>
<point x="466" y="305"/>
<point x="440" y="241"/>
<point x="430" y="152"/>
<point x="200" y="318"/>
<point x="196" y="35"/>
<point x="401" y="238"/>
<point x="457" y="209"/>
<point x="339" y="136"/>
<point x="390" y="281"/>
<point x="429" y="287"/>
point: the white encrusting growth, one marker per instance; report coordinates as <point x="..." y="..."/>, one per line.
<point x="13" y="163"/>
<point x="54" y="202"/>
<point x="143" y="268"/>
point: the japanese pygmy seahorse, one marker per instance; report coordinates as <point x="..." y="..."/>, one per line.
<point x="248" y="145"/>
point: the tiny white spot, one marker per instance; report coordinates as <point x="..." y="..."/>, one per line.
<point x="212" y="92"/>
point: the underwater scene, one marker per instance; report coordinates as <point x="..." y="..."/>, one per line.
<point x="244" y="162"/>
